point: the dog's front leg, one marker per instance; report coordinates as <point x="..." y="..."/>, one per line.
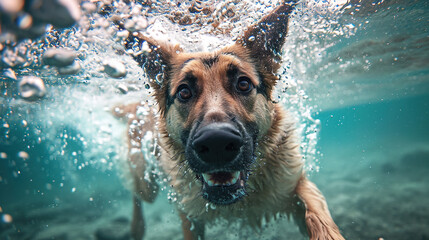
<point x="318" y="220"/>
<point x="137" y="223"/>
<point x="192" y="229"/>
<point x="145" y="189"/>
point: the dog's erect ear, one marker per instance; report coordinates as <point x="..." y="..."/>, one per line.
<point x="155" y="57"/>
<point x="265" y="39"/>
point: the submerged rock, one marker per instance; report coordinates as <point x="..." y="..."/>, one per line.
<point x="21" y="19"/>
<point x="32" y="88"/>
<point x="10" y="74"/>
<point x="71" y="69"/>
<point x="15" y="56"/>
<point x="114" y="68"/>
<point x="59" y="57"/>
<point x="60" y="13"/>
<point x="123" y="88"/>
<point x="418" y="160"/>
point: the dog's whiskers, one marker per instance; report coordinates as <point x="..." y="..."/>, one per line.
<point x="179" y="163"/>
<point x="181" y="166"/>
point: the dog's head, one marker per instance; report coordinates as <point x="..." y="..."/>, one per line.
<point x="217" y="106"/>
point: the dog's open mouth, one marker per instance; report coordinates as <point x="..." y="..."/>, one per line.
<point x="223" y="187"/>
<point x="221" y="178"/>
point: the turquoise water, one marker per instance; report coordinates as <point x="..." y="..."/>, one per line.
<point x="374" y="168"/>
<point x="364" y="76"/>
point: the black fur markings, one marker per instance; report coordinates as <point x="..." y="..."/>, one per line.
<point x="209" y="62"/>
<point x="186" y="62"/>
<point x="262" y="87"/>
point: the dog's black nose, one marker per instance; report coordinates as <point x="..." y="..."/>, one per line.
<point x="217" y="143"/>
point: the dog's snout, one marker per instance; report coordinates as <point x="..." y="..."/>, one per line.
<point x="217" y="143"/>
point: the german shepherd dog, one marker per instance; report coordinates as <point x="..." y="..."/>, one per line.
<point x="220" y="137"/>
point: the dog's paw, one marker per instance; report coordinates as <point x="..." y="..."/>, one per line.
<point x="322" y="228"/>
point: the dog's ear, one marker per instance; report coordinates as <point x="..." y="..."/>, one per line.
<point x="156" y="58"/>
<point x="264" y="40"/>
<point x="153" y="56"/>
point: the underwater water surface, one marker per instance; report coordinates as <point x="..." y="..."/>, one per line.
<point x="355" y="75"/>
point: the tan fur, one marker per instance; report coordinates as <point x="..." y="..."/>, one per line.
<point x="278" y="183"/>
<point x="318" y="219"/>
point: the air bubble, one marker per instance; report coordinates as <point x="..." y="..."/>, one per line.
<point x="32" y="88"/>
<point x="24" y="155"/>
<point x="6" y="218"/>
<point x="25" y="21"/>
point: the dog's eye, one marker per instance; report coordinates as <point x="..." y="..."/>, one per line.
<point x="184" y="92"/>
<point x="244" y="84"/>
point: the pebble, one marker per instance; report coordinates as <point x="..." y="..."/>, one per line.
<point x="59" y="57"/>
<point x="129" y="25"/>
<point x="22" y="19"/>
<point x="13" y="57"/>
<point x="145" y="47"/>
<point x="32" y="88"/>
<point x="123" y="34"/>
<point x="9" y="73"/>
<point x="60" y="13"/>
<point x="71" y="69"/>
<point x="11" y="6"/>
<point x="114" y="68"/>
<point x="123" y="88"/>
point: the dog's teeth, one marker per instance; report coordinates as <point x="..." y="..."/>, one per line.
<point x="235" y="177"/>
<point x="207" y="179"/>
